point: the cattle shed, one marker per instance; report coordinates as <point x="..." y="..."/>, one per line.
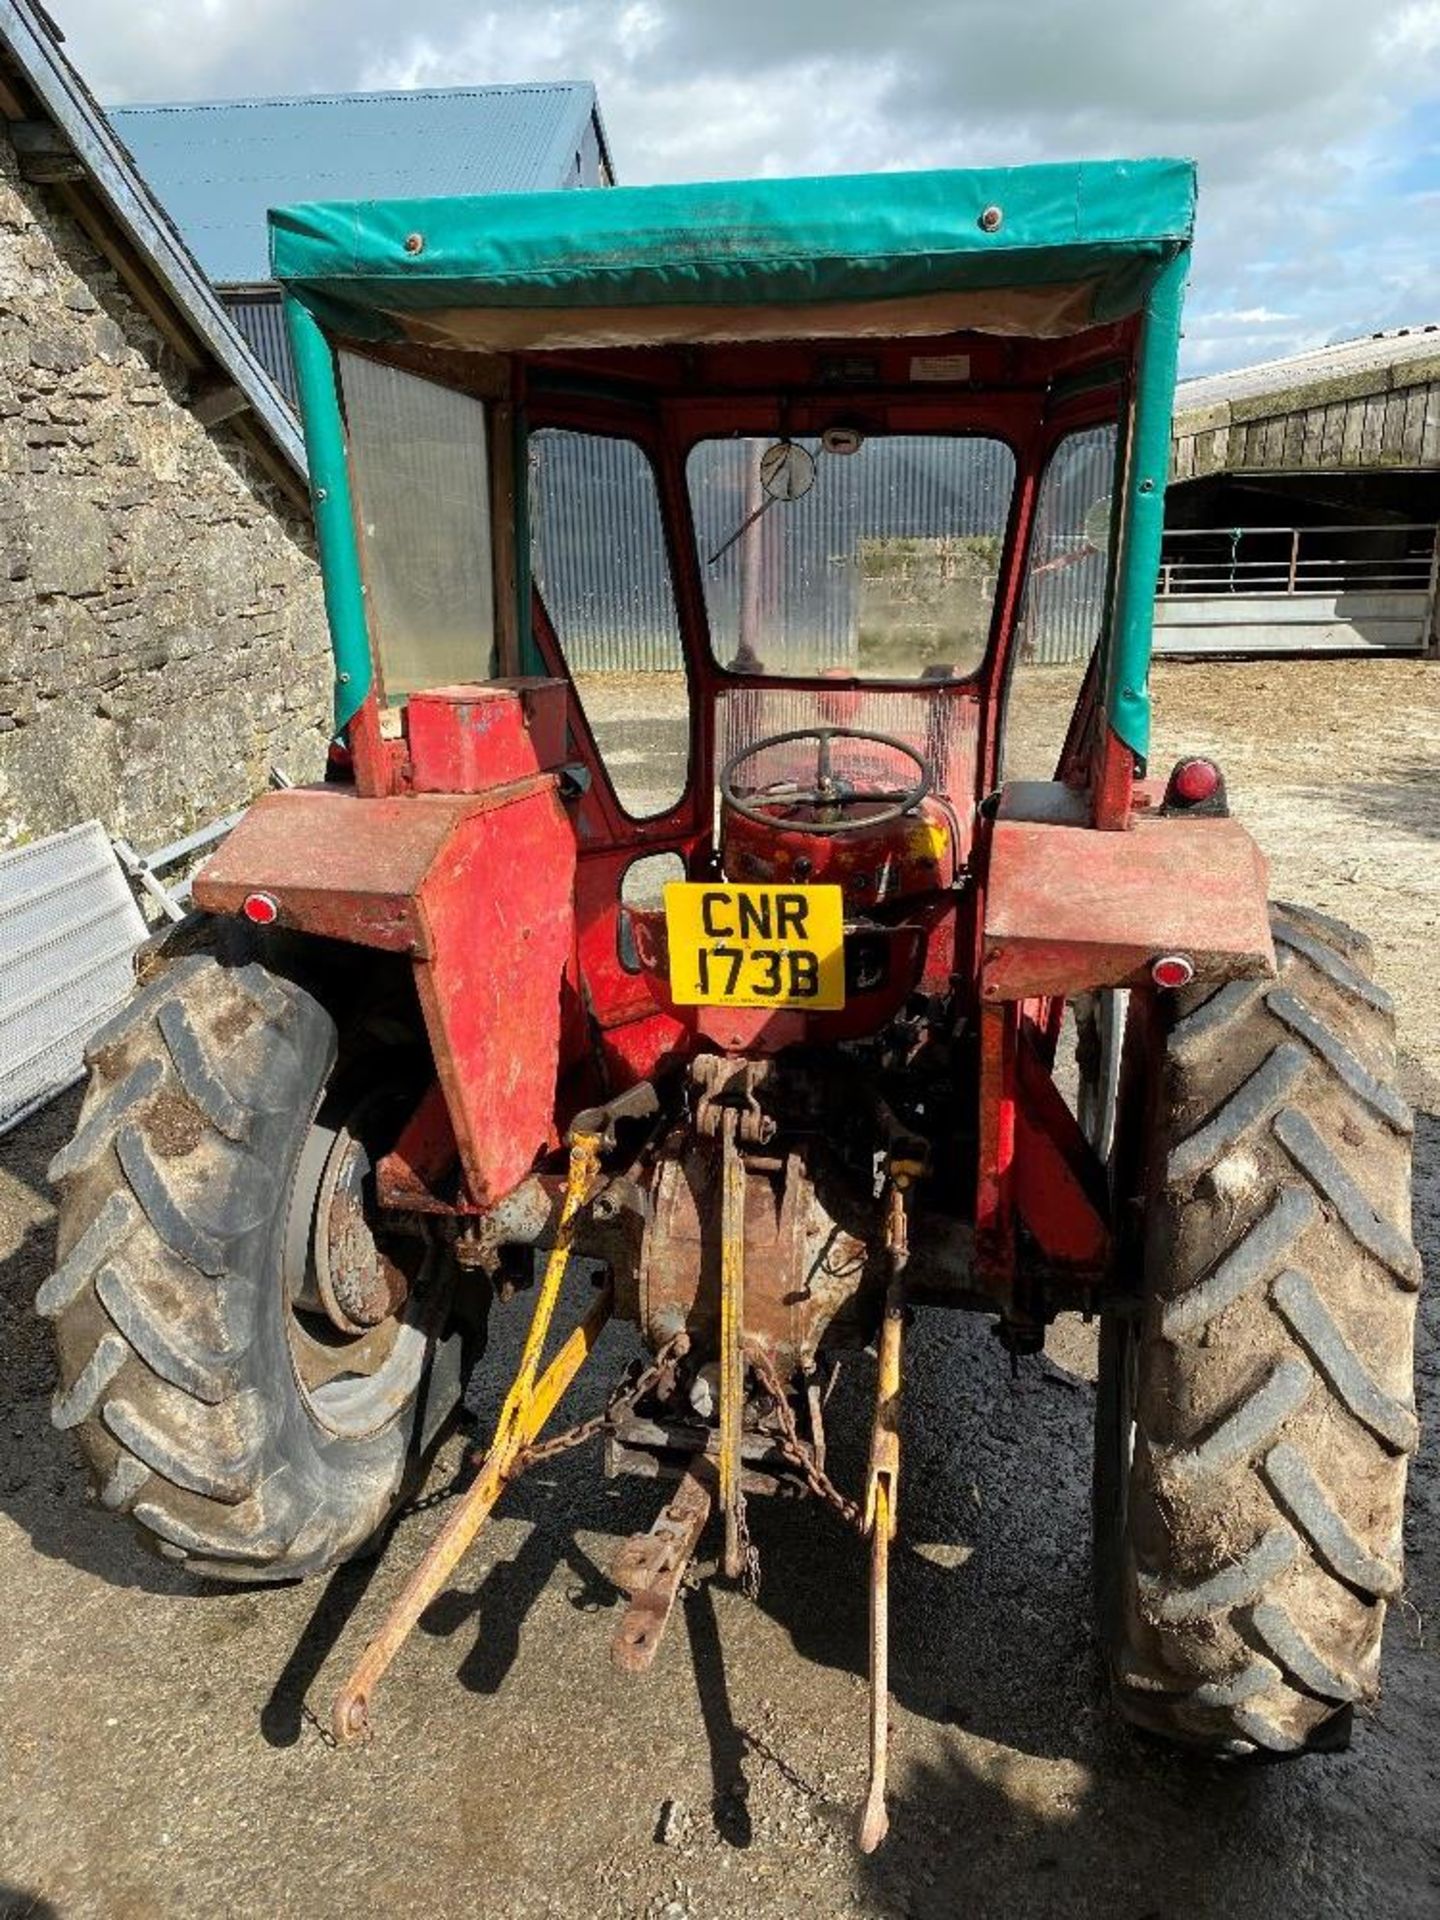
<point x="1304" y="503"/>
<point x="219" y="166"/>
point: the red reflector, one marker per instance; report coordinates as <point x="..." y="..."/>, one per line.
<point x="260" y="908"/>
<point x="1194" y="781"/>
<point x="1172" y="970"/>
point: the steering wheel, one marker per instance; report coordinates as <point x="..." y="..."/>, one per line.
<point x="830" y="789"/>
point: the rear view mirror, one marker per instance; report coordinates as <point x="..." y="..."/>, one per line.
<point x="787" y="471"/>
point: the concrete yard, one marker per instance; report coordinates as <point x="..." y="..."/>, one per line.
<point x="162" y="1741"/>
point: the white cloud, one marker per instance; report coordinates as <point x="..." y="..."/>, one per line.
<point x="1249" y="317"/>
<point x="1303" y="114"/>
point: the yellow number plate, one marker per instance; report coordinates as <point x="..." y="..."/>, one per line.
<point x="755" y="946"/>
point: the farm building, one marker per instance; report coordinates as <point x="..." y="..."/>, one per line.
<point x="219" y="167"/>
<point x="1304" y="502"/>
<point x="163" y="635"/>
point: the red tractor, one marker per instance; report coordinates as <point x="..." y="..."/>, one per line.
<point x="666" y="905"/>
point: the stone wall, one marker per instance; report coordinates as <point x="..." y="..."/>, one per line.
<point x="162" y="637"/>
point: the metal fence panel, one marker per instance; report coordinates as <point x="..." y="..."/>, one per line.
<point x="68" y="927"/>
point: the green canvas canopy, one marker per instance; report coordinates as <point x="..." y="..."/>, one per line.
<point x="1036" y="250"/>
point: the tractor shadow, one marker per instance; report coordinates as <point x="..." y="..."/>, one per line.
<point x="558" y="1503"/>
<point x="1025" y="1796"/>
<point x="1012" y="1784"/>
<point x="19" y="1903"/>
<point x="502" y="1602"/>
<point x="288" y="1710"/>
<point x="44" y="1486"/>
<point x="989" y="1604"/>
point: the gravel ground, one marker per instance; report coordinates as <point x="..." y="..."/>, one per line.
<point x="161" y="1739"/>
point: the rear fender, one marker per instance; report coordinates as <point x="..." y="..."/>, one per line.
<point x="478" y="890"/>
<point x="1069" y="907"/>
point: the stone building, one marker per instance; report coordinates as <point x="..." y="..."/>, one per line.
<point x="162" y="636"/>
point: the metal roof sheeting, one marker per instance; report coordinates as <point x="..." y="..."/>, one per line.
<point x="1363" y="364"/>
<point x="1359" y="406"/>
<point x="220" y="166"/>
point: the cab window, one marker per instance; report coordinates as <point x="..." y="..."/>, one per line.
<point x="870" y="556"/>
<point x="419" y="469"/>
<point x="1062" y="609"/>
<point x="600" y="564"/>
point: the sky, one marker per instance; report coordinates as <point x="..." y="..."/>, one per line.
<point x="1316" y="124"/>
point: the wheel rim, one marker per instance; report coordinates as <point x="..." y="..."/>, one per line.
<point x="357" y="1287"/>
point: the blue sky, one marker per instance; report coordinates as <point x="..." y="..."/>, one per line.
<point x="1316" y="123"/>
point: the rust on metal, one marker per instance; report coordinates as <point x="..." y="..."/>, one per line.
<point x="359" y="1283"/>
<point x="994" y="1184"/>
<point x="807" y="1261"/>
<point x="875" y="1816"/>
<point x="794" y="1449"/>
<point x="651" y="1566"/>
<point x="411" y="1174"/>
<point x="1059" y="1182"/>
<point x="803" y="1227"/>
<point x="882" y="1495"/>
<point x="1069" y="908"/>
<point x="732" y="1350"/>
<point x="1113" y="784"/>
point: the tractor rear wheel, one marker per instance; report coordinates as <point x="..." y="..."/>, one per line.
<point x="1256" y="1407"/>
<point x="251" y="1367"/>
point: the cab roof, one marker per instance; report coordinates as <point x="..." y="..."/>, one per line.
<point x="1040" y="251"/>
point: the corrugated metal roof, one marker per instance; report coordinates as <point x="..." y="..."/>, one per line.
<point x="220" y="166"/>
<point x="1375" y="354"/>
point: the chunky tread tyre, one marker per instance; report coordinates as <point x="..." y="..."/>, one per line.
<point x="175" y="1367"/>
<point x="1265" y="1380"/>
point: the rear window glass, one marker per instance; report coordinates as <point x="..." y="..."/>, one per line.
<point x="422" y="485"/>
<point x="882" y="565"/>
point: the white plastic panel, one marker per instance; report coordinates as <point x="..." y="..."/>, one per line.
<point x="68" y="926"/>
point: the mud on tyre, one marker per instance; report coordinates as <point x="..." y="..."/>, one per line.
<point x="1256" y="1408"/>
<point x="240" y="1432"/>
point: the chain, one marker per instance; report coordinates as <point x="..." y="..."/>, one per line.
<point x="625" y="1394"/>
<point x="793" y="1448"/>
<point x="750" y="1569"/>
<point x="789" y="1444"/>
<point x="576" y="1436"/>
